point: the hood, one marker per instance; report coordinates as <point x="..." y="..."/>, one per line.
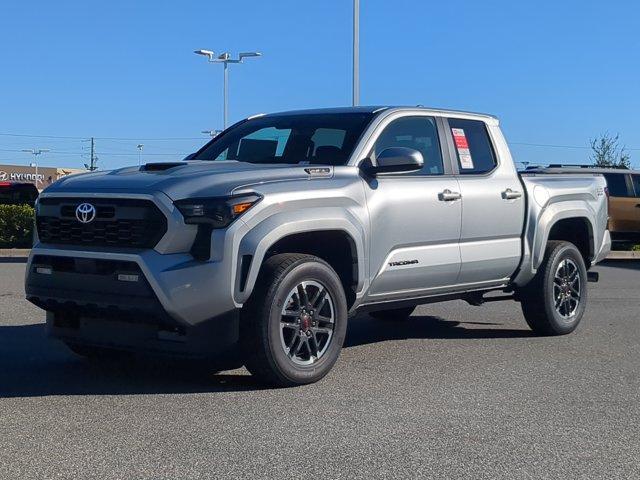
<point x="181" y="179"/>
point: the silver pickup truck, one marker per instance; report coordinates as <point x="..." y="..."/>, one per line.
<point x="257" y="249"/>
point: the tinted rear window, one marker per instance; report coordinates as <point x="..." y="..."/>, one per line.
<point x="617" y="184"/>
<point x="636" y="184"/>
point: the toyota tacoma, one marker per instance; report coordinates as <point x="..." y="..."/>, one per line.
<point x="258" y="248"/>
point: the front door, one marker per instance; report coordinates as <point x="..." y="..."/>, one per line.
<point x="415" y="216"/>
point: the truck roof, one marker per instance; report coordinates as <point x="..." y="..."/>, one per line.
<point x="379" y="108"/>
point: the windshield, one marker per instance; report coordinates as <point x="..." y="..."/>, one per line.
<point x="323" y="138"/>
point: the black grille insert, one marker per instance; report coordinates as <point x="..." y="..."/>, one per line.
<point x="119" y="222"/>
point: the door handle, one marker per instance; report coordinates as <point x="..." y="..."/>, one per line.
<point x="509" y="194"/>
<point x="449" y="196"/>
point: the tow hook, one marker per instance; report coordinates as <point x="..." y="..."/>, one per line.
<point x="593" y="277"/>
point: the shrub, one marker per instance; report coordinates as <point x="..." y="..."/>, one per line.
<point x="16" y="226"/>
<point x="636" y="248"/>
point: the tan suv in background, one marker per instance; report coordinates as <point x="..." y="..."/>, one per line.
<point x="624" y="204"/>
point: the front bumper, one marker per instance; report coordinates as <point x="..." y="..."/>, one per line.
<point x="142" y="301"/>
<point x="146" y="295"/>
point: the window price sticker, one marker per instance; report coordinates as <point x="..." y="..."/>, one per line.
<point x="466" y="162"/>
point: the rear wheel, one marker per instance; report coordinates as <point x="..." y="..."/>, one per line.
<point x="294" y="325"/>
<point x="395" y="314"/>
<point x="554" y="302"/>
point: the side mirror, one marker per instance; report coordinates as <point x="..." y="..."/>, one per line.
<point x="398" y="159"/>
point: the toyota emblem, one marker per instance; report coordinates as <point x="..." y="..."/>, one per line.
<point x="85" y="213"/>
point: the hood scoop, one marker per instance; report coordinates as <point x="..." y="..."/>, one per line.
<point x="160" y="167"/>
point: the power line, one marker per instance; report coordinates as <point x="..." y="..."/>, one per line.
<point x="24" y="135"/>
<point x="150" y="139"/>
<point x="113" y="154"/>
<point x="547" y="145"/>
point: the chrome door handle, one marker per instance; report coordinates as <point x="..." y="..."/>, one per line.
<point x="509" y="194"/>
<point x="449" y="196"/>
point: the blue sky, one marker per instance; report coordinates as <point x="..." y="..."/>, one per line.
<point x="555" y="72"/>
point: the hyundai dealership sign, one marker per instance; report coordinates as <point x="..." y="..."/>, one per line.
<point x="44" y="177"/>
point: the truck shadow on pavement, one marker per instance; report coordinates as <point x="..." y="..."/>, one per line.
<point x="32" y="365"/>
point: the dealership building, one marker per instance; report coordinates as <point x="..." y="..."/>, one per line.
<point x="42" y="177"/>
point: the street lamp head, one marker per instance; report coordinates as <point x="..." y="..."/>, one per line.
<point x="212" y="133"/>
<point x="207" y="53"/>
<point x="250" y="54"/>
<point x="224" y="56"/>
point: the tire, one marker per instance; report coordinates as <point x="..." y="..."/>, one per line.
<point x="551" y="306"/>
<point x="294" y="345"/>
<point x="96" y="353"/>
<point x="394" y="315"/>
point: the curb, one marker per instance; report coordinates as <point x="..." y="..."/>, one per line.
<point x="620" y="255"/>
<point x="14" y="252"/>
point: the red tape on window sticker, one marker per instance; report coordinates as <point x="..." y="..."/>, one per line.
<point x="466" y="161"/>
<point x="460" y="138"/>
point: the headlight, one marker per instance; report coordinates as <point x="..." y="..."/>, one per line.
<point x="217" y="212"/>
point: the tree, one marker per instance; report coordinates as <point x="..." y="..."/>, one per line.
<point x="606" y="152"/>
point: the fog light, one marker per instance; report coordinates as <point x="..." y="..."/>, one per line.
<point x="44" y="270"/>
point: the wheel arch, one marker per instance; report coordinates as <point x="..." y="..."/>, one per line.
<point x="576" y="225"/>
<point x="335" y="239"/>
<point x="571" y="221"/>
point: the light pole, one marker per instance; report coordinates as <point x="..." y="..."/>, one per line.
<point x="140" y="147"/>
<point x="35" y="152"/>
<point x="356" y="52"/>
<point x="225" y="59"/>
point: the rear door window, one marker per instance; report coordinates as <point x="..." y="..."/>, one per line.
<point x="617" y="184"/>
<point x="473" y="146"/>
<point x="636" y="184"/>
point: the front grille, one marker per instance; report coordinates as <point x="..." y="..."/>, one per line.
<point x="121" y="223"/>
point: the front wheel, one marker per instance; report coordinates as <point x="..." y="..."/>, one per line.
<point x="554" y="302"/>
<point x="295" y="322"/>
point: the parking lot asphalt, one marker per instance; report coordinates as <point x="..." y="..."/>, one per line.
<point x="455" y="392"/>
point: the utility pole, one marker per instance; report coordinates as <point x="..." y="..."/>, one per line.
<point x="93" y="158"/>
<point x="356" y="53"/>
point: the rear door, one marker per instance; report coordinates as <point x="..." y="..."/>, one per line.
<point x="635" y="180"/>
<point x="492" y="202"/>
<point x="415" y="229"/>
<point x="624" y="216"/>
